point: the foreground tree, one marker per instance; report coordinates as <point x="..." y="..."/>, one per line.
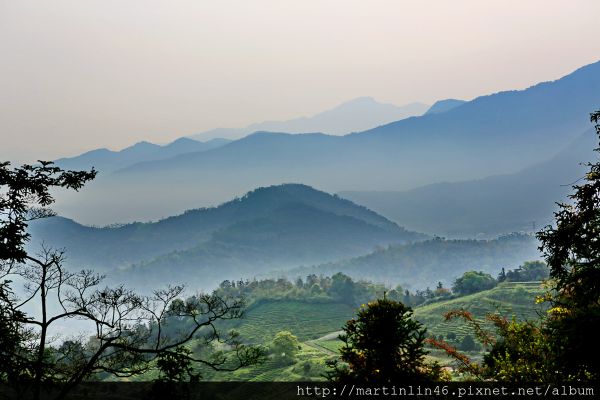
<point x="383" y="345"/>
<point x="129" y="329"/>
<point x="559" y="346"/>
<point x="572" y="250"/>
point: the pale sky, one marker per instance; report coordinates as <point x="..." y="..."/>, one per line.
<point x="77" y="75"/>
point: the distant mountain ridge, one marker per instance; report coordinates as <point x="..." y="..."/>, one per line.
<point x="441" y="106"/>
<point x="496" y="134"/>
<point x="106" y="161"/>
<point x="352" y="116"/>
<point x="271" y="227"/>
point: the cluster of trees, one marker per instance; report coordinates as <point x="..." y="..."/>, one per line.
<point x="284" y="347"/>
<point x="338" y="287"/>
<point x="528" y="272"/>
<point x="473" y="282"/>
<point x="342" y="288"/>
<point x="476" y="281"/>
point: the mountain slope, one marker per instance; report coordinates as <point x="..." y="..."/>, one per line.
<point x="352" y="116"/>
<point x="270" y="227"/>
<point x="444" y="105"/>
<point x="490" y="206"/>
<point x="294" y="235"/>
<point x="496" y="134"/>
<point x="510" y="299"/>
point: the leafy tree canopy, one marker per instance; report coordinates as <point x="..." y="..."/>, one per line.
<point x="473" y="282"/>
<point x="384" y="344"/>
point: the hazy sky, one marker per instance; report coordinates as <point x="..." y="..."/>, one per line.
<point x="76" y="75"/>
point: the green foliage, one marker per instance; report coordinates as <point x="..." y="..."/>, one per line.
<point x="339" y="288"/>
<point x="572" y="251"/>
<point x="284" y="347"/>
<point x="273" y="370"/>
<point x="528" y="272"/>
<point x="473" y="282"/>
<point x="523" y="354"/>
<point x="342" y="288"/>
<point x="14" y="362"/>
<point x="383" y="345"/>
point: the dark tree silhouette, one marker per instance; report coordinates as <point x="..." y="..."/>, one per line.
<point x="383" y="345"/>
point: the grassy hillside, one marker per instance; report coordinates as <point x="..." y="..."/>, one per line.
<point x="306" y="320"/>
<point x="509" y="299"/>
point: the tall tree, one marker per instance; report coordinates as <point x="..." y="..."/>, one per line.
<point x="383" y="345"/>
<point x="572" y="251"/>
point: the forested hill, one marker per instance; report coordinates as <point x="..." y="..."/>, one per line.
<point x="279" y="225"/>
<point x="417" y="265"/>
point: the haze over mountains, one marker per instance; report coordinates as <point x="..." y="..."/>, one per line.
<point x="355" y="115"/>
<point x="444" y="105"/>
<point x="269" y="228"/>
<point x="284" y="230"/>
<point x="106" y="161"/>
<point x="425" y="263"/>
<point x="352" y="116"/>
<point x="501" y="133"/>
<point x="523" y="201"/>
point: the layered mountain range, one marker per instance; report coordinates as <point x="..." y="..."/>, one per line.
<point x="497" y="134"/>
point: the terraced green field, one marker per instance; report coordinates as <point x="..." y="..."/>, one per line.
<point x="512" y="299"/>
<point x="330" y="344"/>
<point x="304" y="319"/>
